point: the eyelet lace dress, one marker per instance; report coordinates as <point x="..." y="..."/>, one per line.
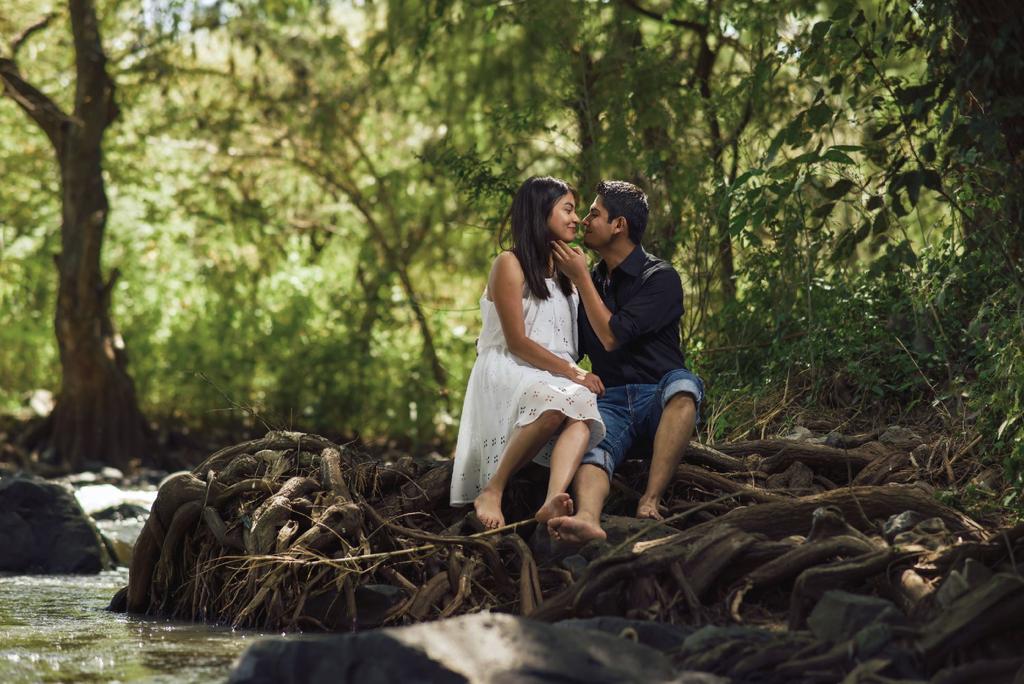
<point x="505" y="392"/>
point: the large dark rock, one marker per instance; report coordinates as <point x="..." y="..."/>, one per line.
<point x="44" y="530"/>
<point x="485" y="647"/>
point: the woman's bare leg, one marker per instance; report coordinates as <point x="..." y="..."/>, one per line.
<point x="565" y="460"/>
<point x="524" y="444"/>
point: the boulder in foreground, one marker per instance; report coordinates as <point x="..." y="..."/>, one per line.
<point x="483" y="647"/>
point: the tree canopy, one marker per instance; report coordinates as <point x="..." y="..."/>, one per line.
<point x="305" y="197"/>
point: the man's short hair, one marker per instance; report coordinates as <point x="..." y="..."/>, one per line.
<point x="628" y="201"/>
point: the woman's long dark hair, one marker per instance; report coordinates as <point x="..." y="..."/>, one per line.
<point x="531" y="240"/>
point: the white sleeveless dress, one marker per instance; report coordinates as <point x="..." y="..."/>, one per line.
<point x="505" y="392"/>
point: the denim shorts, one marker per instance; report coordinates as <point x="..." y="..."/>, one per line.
<point x="631" y="414"/>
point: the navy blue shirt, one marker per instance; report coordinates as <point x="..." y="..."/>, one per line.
<point x="645" y="297"/>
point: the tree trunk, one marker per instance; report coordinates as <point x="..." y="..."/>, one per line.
<point x="97" y="416"/>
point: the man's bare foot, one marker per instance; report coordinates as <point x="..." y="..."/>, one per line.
<point x="488" y="508"/>
<point x="555" y="507"/>
<point x="575" y="530"/>
<point x="648" y="508"/>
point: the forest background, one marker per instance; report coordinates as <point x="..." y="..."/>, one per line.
<point x="281" y="213"/>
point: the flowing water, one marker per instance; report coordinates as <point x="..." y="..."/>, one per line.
<point x="54" y="628"/>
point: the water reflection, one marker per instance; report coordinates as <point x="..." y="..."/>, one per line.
<point x="55" y="629"/>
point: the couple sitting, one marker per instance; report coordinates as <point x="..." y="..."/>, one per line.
<point x="543" y="310"/>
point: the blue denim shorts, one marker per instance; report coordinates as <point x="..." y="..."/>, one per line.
<point x="631" y="414"/>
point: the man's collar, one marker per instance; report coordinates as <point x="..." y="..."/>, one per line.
<point x="633" y="265"/>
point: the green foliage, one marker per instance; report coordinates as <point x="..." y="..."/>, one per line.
<point x="306" y="197"/>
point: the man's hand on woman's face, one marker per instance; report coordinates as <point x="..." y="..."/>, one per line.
<point x="570" y="261"/>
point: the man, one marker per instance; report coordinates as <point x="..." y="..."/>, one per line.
<point x="630" y="304"/>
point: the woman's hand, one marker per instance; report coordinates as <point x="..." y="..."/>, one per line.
<point x="587" y="379"/>
<point x="571" y="261"/>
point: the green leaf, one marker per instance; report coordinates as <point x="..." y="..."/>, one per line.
<point x="932" y="180"/>
<point x="928" y="151"/>
<point x="863" y="231"/>
<point x="875" y="202"/>
<point x="745" y="176"/>
<point x="824" y="210"/>
<point x="843" y="10"/>
<point x="773" y="148"/>
<point x="819" y="115"/>
<point x="834" y="155"/>
<point x="819" y="30"/>
<point x="840" y="188"/>
<point x="884" y="131"/>
<point x="881" y="224"/>
<point x="913" y="181"/>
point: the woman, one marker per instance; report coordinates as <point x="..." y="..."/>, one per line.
<point x="527" y="398"/>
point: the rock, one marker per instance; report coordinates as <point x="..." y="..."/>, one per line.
<point x="958" y="582"/>
<point x="119" y="550"/>
<point x="659" y="635"/>
<point x="122" y="511"/>
<point x="799" y="433"/>
<point x="839" y="615"/>
<point x="483" y="647"/>
<point x="900" y="438"/>
<point x="930" y="534"/>
<point x="706" y="638"/>
<point x="902" y="522"/>
<point x="44" y="529"/>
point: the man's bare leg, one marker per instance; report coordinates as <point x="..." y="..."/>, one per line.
<point x="522" y="447"/>
<point x="670" y="442"/>
<point x="565" y="460"/>
<point x="591" y="487"/>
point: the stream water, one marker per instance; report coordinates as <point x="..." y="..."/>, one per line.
<point x="54" y="628"/>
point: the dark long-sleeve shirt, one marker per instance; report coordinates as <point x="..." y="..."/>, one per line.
<point x="645" y="297"/>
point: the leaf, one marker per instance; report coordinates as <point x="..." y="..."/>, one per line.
<point x="835" y="84"/>
<point x="932" y="180"/>
<point x="875" y="202"/>
<point x="844" y="246"/>
<point x="913" y="180"/>
<point x="738" y="223"/>
<point x="773" y="148"/>
<point x="843" y="10"/>
<point x="824" y="210"/>
<point x="881" y="224"/>
<point x="745" y="176"/>
<point x="884" y="131"/>
<point x="928" y="151"/>
<point x="819" y="30"/>
<point x="863" y="231"/>
<point x="838" y="156"/>
<point x="840" y="188"/>
<point x="819" y="115"/>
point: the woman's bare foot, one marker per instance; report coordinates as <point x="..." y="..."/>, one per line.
<point x="555" y="507"/>
<point x="575" y="530"/>
<point x="488" y="508"/>
<point x="648" y="508"/>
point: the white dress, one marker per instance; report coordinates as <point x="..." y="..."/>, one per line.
<point x="505" y="392"/>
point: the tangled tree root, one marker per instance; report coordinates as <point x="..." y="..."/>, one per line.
<point x="294" y="532"/>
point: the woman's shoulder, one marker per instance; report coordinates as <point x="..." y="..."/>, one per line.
<point x="507" y="265"/>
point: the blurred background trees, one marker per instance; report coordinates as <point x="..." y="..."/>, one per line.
<point x="305" y="197"/>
